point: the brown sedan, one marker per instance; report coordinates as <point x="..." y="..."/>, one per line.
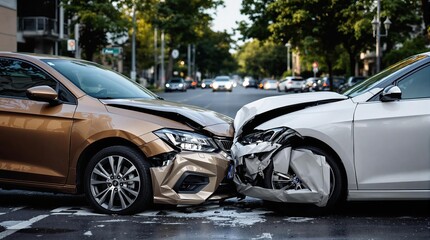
<point x="73" y="126"/>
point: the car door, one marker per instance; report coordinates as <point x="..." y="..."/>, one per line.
<point x="392" y="139"/>
<point x="35" y="136"/>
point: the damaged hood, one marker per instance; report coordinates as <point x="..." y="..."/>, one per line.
<point x="255" y="113"/>
<point x="195" y="117"/>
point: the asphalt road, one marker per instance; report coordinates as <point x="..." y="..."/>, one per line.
<point x="32" y="215"/>
<point x="227" y="103"/>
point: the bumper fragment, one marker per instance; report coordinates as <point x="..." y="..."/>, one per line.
<point x="212" y="167"/>
<point x="312" y="170"/>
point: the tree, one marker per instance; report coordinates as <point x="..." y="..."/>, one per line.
<point x="329" y="25"/>
<point x="97" y="18"/>
<point x="213" y="53"/>
<point x="262" y="59"/>
<point x="183" y="21"/>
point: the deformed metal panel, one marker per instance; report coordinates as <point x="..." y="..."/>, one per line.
<point x="310" y="168"/>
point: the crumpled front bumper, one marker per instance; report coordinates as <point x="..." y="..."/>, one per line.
<point x="252" y="160"/>
<point x="192" y="178"/>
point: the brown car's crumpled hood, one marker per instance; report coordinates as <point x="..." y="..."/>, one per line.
<point x="193" y="116"/>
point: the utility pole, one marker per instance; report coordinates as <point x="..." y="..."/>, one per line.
<point x="77" y="49"/>
<point x="133" y="47"/>
<point x="162" y="74"/>
<point x="189" y="61"/>
<point x="155" y="55"/>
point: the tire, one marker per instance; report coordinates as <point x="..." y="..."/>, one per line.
<point x="129" y="187"/>
<point x="337" y="189"/>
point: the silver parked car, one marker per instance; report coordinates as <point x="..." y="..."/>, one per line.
<point x="371" y="143"/>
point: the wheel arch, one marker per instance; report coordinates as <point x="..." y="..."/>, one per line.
<point x="92" y="149"/>
<point x="310" y="141"/>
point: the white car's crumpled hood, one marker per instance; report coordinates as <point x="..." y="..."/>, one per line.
<point x="265" y="105"/>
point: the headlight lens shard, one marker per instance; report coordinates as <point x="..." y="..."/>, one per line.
<point x="262" y="136"/>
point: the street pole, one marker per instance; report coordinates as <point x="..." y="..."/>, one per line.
<point x="378" y="37"/>
<point x="77" y="50"/>
<point x="133" y="47"/>
<point x="194" y="62"/>
<point x="189" y="61"/>
<point x="288" y="56"/>
<point x="162" y="74"/>
<point x="155" y="55"/>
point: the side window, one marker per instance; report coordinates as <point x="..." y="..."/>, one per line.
<point x="17" y="76"/>
<point x="416" y="85"/>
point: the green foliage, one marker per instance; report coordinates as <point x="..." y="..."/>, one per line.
<point x="213" y="53"/>
<point x="97" y="18"/>
<point x="327" y="29"/>
<point x="409" y="48"/>
<point x="262" y="59"/>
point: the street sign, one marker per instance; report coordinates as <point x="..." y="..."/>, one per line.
<point x="115" y="51"/>
<point x="175" y="53"/>
<point x="71" y="46"/>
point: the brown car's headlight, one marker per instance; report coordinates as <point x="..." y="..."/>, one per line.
<point x="187" y="141"/>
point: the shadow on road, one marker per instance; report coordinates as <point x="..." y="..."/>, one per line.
<point x="48" y="201"/>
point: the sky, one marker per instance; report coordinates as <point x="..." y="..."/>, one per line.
<point x="226" y="17"/>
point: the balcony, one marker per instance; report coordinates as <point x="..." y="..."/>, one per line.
<point x="40" y="27"/>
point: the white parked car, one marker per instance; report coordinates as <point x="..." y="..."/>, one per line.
<point x="291" y="84"/>
<point x="372" y="143"/>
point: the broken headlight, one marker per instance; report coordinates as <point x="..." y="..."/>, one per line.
<point x="188" y="141"/>
<point x="262" y="136"/>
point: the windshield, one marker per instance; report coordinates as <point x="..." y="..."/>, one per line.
<point x="97" y="81"/>
<point x="374" y="81"/>
<point x="222" y="79"/>
<point x="176" y="81"/>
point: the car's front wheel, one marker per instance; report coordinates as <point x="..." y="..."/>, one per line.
<point x="117" y="181"/>
<point x="290" y="181"/>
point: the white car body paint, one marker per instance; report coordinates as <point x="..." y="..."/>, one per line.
<point x="391" y="158"/>
<point x="402" y="162"/>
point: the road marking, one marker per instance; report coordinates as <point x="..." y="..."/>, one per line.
<point x="13" y="210"/>
<point x="23" y="224"/>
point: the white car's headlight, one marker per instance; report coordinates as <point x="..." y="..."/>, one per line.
<point x="167" y="85"/>
<point x="215" y="85"/>
<point x="181" y="85"/>
<point x="188" y="141"/>
<point x="269" y="135"/>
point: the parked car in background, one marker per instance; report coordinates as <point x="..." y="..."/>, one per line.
<point x="249" y="82"/>
<point x="324" y="83"/>
<point x="369" y="143"/>
<point x="222" y="83"/>
<point x="310" y="84"/>
<point x="74" y="126"/>
<point x="351" y="82"/>
<point x="270" y="84"/>
<point x="206" y="83"/>
<point x="175" y="84"/>
<point x="291" y="83"/>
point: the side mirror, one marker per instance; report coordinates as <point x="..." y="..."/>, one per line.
<point x="391" y="93"/>
<point x="43" y="94"/>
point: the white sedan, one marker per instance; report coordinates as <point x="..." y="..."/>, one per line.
<point x="371" y="143"/>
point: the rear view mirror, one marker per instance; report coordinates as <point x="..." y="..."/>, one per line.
<point x="391" y="93"/>
<point x="43" y="94"/>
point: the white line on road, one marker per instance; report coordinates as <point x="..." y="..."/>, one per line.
<point x="24" y="224"/>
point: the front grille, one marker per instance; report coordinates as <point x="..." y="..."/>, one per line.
<point x="224" y="144"/>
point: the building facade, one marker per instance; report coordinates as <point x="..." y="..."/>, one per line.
<point x="8" y="28"/>
<point x="41" y="26"/>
